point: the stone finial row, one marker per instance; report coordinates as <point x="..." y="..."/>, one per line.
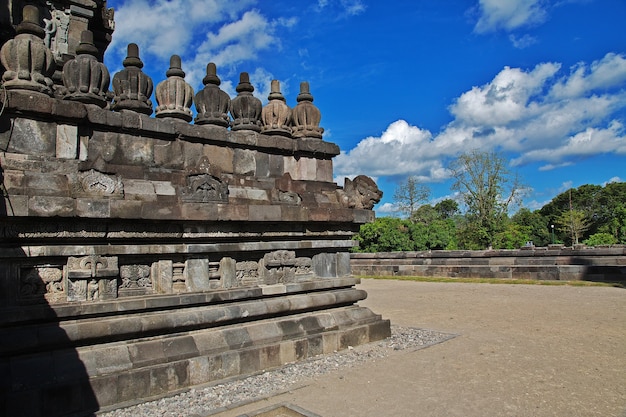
<point x="29" y="66"/>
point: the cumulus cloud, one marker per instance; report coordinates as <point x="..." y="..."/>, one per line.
<point x="539" y="115"/>
<point x="509" y="15"/>
<point x="235" y="32"/>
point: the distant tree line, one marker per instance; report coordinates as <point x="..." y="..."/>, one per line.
<point x="590" y="214"/>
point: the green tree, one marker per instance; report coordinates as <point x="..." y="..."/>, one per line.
<point x="488" y="188"/>
<point x="538" y="226"/>
<point x="573" y="222"/>
<point x="385" y="234"/>
<point x="447" y="208"/>
<point x="409" y="195"/>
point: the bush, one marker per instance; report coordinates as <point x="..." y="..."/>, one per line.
<point x="600" y="239"/>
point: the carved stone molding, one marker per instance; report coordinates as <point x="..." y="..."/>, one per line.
<point x="136" y="280"/>
<point x="203" y="188"/>
<point x="92" y="278"/>
<point x="42" y="283"/>
<point x="95" y="182"/>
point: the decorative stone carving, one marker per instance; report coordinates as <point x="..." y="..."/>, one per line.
<point x="42" y="283"/>
<point x="57" y="30"/>
<point x="85" y="79"/>
<point x="28" y="62"/>
<point x="278" y="267"/>
<point x="136" y="280"/>
<point x="132" y="87"/>
<point x="203" y="188"/>
<point x="360" y="193"/>
<point x="173" y="95"/>
<point x="289" y="197"/>
<point x="178" y="277"/>
<point x="247" y="273"/>
<point x="276" y="115"/>
<point x="306" y="116"/>
<point x="92" y="278"/>
<point x="212" y="104"/>
<point x="245" y="108"/>
<point x="95" y="182"/>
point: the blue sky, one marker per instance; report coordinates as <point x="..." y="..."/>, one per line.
<point x="405" y="86"/>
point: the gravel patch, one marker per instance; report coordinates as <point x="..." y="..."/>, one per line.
<point x="212" y="399"/>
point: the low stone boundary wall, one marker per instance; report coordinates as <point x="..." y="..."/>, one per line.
<point x="551" y="263"/>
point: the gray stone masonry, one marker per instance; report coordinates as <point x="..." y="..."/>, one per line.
<point x="551" y="263"/>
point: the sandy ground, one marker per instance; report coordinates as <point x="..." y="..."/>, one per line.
<point x="521" y="350"/>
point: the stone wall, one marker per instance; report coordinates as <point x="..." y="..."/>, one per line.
<point x="553" y="263"/>
<point x="140" y="256"/>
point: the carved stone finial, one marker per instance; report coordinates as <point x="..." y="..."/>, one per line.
<point x="28" y="61"/>
<point x="276" y="115"/>
<point x="245" y="108"/>
<point x="212" y="104"/>
<point x="306" y="116"/>
<point x="85" y="79"/>
<point x="131" y="86"/>
<point x="174" y="96"/>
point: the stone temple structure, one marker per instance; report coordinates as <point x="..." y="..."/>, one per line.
<point x="141" y="255"/>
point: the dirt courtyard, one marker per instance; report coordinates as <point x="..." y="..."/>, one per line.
<point x="521" y="350"/>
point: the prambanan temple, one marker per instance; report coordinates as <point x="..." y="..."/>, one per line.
<point x="146" y="248"/>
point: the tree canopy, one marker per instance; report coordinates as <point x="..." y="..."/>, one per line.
<point x="592" y="214"/>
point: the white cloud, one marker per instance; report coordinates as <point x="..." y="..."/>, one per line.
<point x="523" y="41"/>
<point x="387" y="208"/>
<point x="538" y="115"/>
<point x="509" y="15"/>
<point x="612" y="180"/>
<point x="235" y="32"/>
<point x="342" y="8"/>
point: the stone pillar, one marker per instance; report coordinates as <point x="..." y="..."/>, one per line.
<point x="173" y="95"/>
<point x="28" y="62"/>
<point x="132" y="87"/>
<point x="276" y="115"/>
<point x="212" y="103"/>
<point x="85" y="79"/>
<point x="245" y="108"/>
<point x="306" y="116"/>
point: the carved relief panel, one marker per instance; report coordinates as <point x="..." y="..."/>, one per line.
<point x="92" y="278"/>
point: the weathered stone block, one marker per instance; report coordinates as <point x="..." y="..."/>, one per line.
<point x="269" y="356"/>
<point x="353" y="337"/>
<point x="249" y="361"/>
<point x="192" y="155"/>
<point x="51" y="206"/>
<point x="244" y="162"/>
<point x="343" y="264"/>
<point x="220" y="158"/>
<point x="262" y="165"/>
<point x="67" y="141"/>
<point x="33" y="137"/>
<point x="132" y="385"/>
<point x="265" y="213"/>
<point x="137" y="150"/>
<point x="169" y="154"/>
<point x="146" y="353"/>
<point x="200" y="211"/>
<point x="325" y="265"/>
<point x="93" y="208"/>
<point x="179" y="348"/>
<point x="126" y="209"/>
<point x="324" y="171"/>
<point x="276" y="165"/>
<point x="197" y="275"/>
